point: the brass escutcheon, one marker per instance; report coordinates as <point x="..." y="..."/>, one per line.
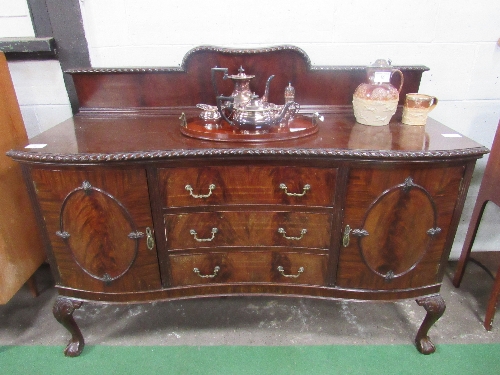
<point x="150" y="241"/>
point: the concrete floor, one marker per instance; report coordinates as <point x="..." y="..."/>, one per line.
<point x="253" y="320"/>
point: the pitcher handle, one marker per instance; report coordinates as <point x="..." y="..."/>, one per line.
<point x="434" y="103"/>
<point x="214" y="80"/>
<point x="402" y="78"/>
<point x="220" y="100"/>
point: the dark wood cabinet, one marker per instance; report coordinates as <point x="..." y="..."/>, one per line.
<point x="135" y="211"/>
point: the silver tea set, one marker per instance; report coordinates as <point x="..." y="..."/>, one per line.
<point x="243" y="109"/>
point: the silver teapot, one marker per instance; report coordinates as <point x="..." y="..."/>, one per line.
<point x="241" y="92"/>
<point x="246" y="111"/>
<point x="255" y="115"/>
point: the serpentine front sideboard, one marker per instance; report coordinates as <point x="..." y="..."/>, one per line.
<point x="134" y="210"/>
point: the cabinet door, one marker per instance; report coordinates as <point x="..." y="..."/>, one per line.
<point x="100" y="227"/>
<point x="396" y="223"/>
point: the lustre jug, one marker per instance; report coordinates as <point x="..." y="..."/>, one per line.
<point x="376" y="101"/>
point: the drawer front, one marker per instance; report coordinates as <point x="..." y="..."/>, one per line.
<point x="249" y="228"/>
<point x="187" y="187"/>
<point x="251" y="267"/>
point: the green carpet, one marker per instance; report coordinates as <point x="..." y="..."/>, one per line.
<point x="241" y="360"/>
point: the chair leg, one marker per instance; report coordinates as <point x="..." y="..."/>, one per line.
<point x="477" y="214"/>
<point x="492" y="302"/>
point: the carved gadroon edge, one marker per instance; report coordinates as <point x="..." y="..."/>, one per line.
<point x="245" y="51"/>
<point x="233" y="51"/>
<point x="188" y="55"/>
<point x="174" y="154"/>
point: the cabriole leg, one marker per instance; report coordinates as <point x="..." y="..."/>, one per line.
<point x="435" y="306"/>
<point x="63" y="312"/>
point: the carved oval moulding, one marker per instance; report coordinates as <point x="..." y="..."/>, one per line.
<point x="398" y="225"/>
<point x="96" y="229"/>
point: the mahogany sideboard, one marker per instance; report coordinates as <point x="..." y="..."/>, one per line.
<point x="134" y="211"/>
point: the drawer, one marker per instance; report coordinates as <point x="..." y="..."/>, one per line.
<point x="248" y="266"/>
<point x="185" y="187"/>
<point x="248" y="228"/>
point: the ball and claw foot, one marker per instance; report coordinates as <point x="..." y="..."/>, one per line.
<point x="425" y="345"/>
<point x="435" y="306"/>
<point x="63" y="312"/>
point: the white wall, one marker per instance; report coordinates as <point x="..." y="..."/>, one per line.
<point x="39" y="85"/>
<point x="15" y="19"/>
<point x="41" y="94"/>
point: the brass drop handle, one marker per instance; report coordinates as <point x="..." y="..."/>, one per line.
<point x="195" y="235"/>
<point x="281" y="270"/>
<point x="216" y="271"/>
<point x="211" y="187"/>
<point x="150" y="240"/>
<point x="283" y="232"/>
<point x="304" y="191"/>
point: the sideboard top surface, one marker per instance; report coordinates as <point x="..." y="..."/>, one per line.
<point x="102" y="139"/>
